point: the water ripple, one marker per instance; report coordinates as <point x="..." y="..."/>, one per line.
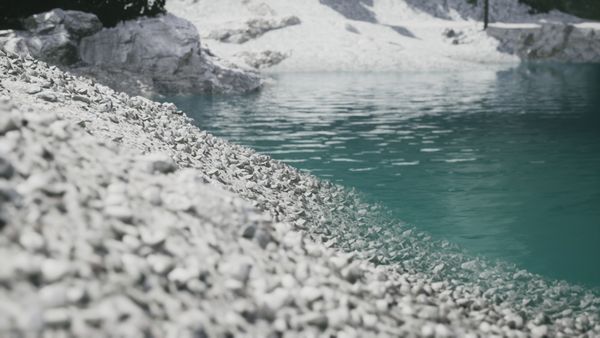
<point x="505" y="163"/>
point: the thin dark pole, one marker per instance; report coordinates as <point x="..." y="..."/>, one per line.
<point x="486" y="13"/>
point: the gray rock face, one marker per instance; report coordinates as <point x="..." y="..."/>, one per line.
<point x="163" y="54"/>
<point x="252" y="29"/>
<point x="551" y="42"/>
<point x="264" y="59"/>
<point x="76" y="23"/>
<point x="148" y="56"/>
<point x="52" y="36"/>
<point x="500" y="10"/>
<point x="351" y="28"/>
<point x="142" y="45"/>
<point x="352" y="9"/>
<point x="402" y="31"/>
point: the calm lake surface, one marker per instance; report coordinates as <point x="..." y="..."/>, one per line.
<point x="504" y="163"/>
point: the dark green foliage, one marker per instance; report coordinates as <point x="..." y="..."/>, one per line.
<point x="589" y="9"/>
<point x="542" y="6"/>
<point x="110" y="12"/>
<point x="486" y="13"/>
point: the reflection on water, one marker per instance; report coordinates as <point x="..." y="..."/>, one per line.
<point x="504" y="163"/>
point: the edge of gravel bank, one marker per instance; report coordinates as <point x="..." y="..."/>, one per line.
<point x="116" y="221"/>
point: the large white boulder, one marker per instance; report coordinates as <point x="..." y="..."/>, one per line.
<point x="166" y="55"/>
<point x="148" y="44"/>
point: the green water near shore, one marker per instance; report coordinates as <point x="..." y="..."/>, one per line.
<point x="504" y="163"/>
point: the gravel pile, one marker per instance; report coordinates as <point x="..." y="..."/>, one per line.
<point x="120" y="218"/>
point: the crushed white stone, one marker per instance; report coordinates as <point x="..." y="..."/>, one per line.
<point x="109" y="228"/>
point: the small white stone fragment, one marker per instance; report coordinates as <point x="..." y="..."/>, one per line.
<point x="159" y="163"/>
<point x="161" y="264"/>
<point x="370" y="320"/>
<point x="236" y="267"/>
<point x="470" y="265"/>
<point x="47" y="96"/>
<point x="54" y="295"/>
<point x="309" y="294"/>
<point x="153" y="238"/>
<point x="54" y="270"/>
<point x="539" y="331"/>
<point x="339" y="317"/>
<point x="76" y="294"/>
<point x="437" y="286"/>
<point x="276" y="300"/>
<point x="33" y="90"/>
<point x="57" y="317"/>
<point x="181" y="275"/>
<point x="31" y="240"/>
<point x="120" y="212"/>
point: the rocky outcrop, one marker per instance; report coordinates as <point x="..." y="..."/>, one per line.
<point x="252" y="29"/>
<point x="264" y="59"/>
<point x="147" y="56"/>
<point x="164" y="54"/>
<point x="500" y="11"/>
<point x="53" y="36"/>
<point x="550" y="42"/>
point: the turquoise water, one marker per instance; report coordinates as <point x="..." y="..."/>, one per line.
<point x="504" y="163"/>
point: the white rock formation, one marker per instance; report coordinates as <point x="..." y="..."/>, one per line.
<point x="165" y="52"/>
<point x="252" y="29"/>
<point x="261" y="60"/>
<point x="369" y="35"/>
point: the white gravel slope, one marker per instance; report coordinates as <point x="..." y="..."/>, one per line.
<point x="323" y="43"/>
<point x="403" y="35"/>
<point x="115" y="221"/>
<point x="327" y="41"/>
